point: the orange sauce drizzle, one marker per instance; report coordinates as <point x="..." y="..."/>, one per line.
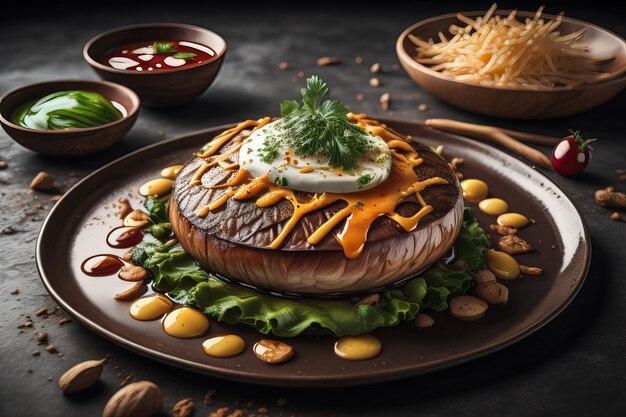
<point x="221" y="139"/>
<point x="363" y="207"/>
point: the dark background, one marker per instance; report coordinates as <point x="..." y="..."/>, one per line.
<point x="575" y="366"/>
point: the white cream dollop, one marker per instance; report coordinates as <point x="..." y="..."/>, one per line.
<point x="121" y="62"/>
<point x="174" y="62"/>
<point x="312" y="173"/>
<point x="197" y="46"/>
<point x="148" y="50"/>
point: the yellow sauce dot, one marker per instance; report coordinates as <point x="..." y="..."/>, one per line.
<point x="185" y="323"/>
<point x="159" y="187"/>
<point x="502" y="264"/>
<point x="358" y="348"/>
<point x="493" y="206"/>
<point x="512" y="220"/>
<point x="150" y="308"/>
<point x="171" y="172"/>
<point x="474" y="190"/>
<point x="224" y="346"/>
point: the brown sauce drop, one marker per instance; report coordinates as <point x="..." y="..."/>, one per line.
<point x="124" y="237"/>
<point x="101" y="265"/>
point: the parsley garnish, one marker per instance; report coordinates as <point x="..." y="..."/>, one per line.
<point x="359" y="204"/>
<point x="184" y="55"/>
<point x="161" y="48"/>
<point x="316" y="127"/>
<point x="281" y="181"/>
<point x="269" y="151"/>
<point x="364" y="179"/>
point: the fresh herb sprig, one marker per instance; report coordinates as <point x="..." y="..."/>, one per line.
<point x="184" y="55"/>
<point x="317" y="127"/>
<point x="162" y="48"/>
<point x="364" y="179"/>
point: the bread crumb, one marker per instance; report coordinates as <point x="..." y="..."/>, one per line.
<point x="385" y="99"/>
<point x="327" y="60"/>
<point x="374" y="82"/>
<point x="220" y="412"/>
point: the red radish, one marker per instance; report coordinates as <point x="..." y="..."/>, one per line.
<point x="572" y="154"/>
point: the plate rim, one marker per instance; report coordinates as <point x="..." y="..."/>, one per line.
<point x="304" y="381"/>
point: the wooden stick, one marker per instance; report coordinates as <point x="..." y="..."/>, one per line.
<point x="491" y="134"/>
<point x="524" y="136"/>
<point x="532" y="137"/>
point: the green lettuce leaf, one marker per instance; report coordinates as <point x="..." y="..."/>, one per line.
<point x="185" y="281"/>
<point x="157" y="211"/>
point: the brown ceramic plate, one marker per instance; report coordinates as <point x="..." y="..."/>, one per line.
<point x="77" y="226"/>
<point x="517" y="103"/>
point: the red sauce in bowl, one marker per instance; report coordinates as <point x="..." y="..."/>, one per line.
<point x="158" y="56"/>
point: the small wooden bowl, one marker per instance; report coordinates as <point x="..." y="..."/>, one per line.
<point x="516" y="103"/>
<point x="69" y="142"/>
<point x="168" y="88"/>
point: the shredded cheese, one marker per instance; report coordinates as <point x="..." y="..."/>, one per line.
<point x="503" y="51"/>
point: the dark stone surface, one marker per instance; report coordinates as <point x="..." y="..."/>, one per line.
<point x="574" y="366"/>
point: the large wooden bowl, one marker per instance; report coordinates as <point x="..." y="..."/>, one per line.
<point x="517" y="103"/>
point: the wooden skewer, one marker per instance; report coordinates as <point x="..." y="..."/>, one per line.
<point x="531" y="137"/>
<point x="492" y="134"/>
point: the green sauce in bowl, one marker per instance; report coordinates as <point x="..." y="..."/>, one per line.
<point x="67" y="110"/>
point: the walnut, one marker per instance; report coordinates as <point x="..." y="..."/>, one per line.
<point x="530" y="270"/>
<point x="611" y="198"/>
<point x="514" y="245"/>
<point x="503" y="230"/>
<point x="272" y="351"/>
<point x="183" y="408"/>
